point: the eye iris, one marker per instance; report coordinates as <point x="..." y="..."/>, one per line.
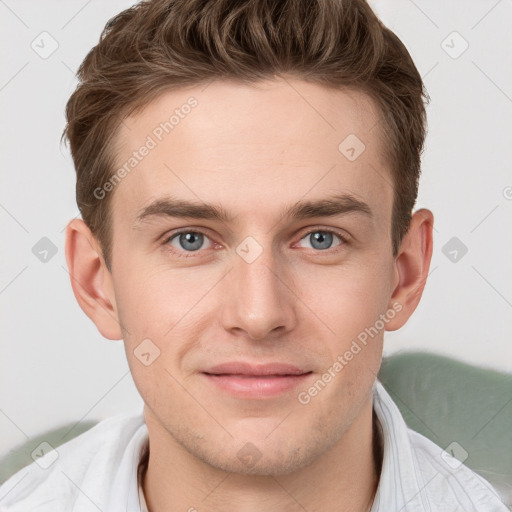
<point x="323" y="238"/>
<point x="188" y="238"/>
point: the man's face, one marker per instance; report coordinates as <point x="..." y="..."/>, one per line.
<point x="262" y="288"/>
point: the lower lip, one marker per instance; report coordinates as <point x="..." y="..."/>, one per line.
<point x="257" y="386"/>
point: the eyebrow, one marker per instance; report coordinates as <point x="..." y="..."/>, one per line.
<point x="333" y="206"/>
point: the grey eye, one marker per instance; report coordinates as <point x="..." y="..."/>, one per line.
<point x="321" y="240"/>
<point x="188" y="241"/>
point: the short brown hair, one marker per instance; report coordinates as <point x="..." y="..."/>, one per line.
<point x="159" y="45"/>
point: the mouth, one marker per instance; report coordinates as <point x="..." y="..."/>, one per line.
<point x="244" y="380"/>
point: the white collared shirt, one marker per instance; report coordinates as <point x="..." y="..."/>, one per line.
<point x="98" y="471"/>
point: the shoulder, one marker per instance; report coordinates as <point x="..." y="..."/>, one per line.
<point x="447" y="482"/>
<point x="66" y="475"/>
<point x="419" y="476"/>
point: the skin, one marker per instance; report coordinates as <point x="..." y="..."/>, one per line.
<point x="255" y="150"/>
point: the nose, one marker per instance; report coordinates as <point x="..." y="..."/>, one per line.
<point x="258" y="298"/>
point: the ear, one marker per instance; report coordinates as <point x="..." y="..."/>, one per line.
<point x="411" y="268"/>
<point x="90" y="279"/>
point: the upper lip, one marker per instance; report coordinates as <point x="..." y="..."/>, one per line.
<point x="243" y="368"/>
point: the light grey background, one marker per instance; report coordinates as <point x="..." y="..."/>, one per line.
<point x="56" y="368"/>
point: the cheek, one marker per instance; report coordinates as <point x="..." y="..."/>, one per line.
<point x="346" y="299"/>
<point x="159" y="310"/>
<point x="149" y="298"/>
<point x="153" y="310"/>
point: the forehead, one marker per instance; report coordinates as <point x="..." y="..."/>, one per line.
<point x="252" y="148"/>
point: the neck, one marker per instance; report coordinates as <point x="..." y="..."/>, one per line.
<point x="344" y="478"/>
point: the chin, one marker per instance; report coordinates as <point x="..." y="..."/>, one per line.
<point x="268" y="464"/>
<point x="259" y="457"/>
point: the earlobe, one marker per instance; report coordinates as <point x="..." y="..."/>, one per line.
<point x="90" y="279"/>
<point x="412" y="264"/>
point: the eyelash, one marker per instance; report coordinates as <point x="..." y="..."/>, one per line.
<point x="191" y="254"/>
